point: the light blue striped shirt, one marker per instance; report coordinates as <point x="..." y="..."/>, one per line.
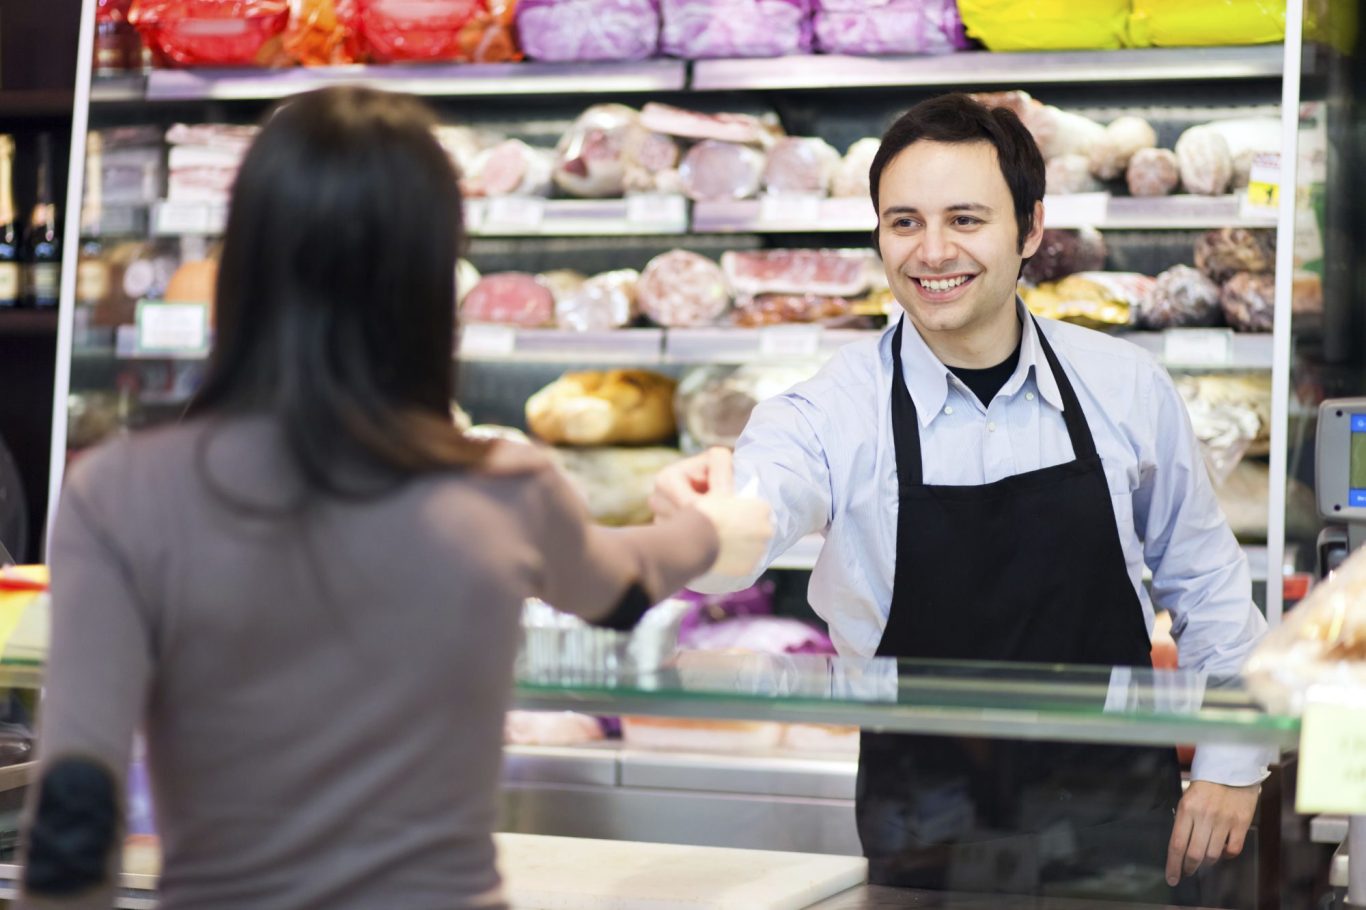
<point x="822" y="455"/>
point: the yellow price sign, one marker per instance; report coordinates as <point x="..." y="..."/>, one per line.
<point x="1332" y="769"/>
<point x="1263" y="195"/>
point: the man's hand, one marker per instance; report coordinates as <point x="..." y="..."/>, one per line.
<point x="682" y="483"/>
<point x="1211" y="823"/>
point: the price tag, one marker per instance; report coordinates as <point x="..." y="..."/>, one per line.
<point x="172" y="328"/>
<point x="486" y="340"/>
<point x="790" y="208"/>
<point x="1332" y="775"/>
<point x="515" y="212"/>
<point x="657" y="210"/>
<point x="790" y="340"/>
<point x="184" y="218"/>
<point x="1264" y="186"/>
<point x="1198" y="347"/>
<point x="1076" y="210"/>
<point x="476" y="211"/>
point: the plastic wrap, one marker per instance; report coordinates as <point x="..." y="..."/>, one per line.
<point x="1124" y="137"/>
<point x="605" y="301"/>
<point x="1098" y="300"/>
<point x="1206" y="164"/>
<point x="1231" y="416"/>
<point x="590" y="159"/>
<point x="479" y="31"/>
<point x="651" y="163"/>
<point x="1322" y="642"/>
<point x="1070" y="174"/>
<point x="212" y="32"/>
<point x="869" y="27"/>
<point x="616" y="483"/>
<point x="1060" y="132"/>
<point x="1206" y="23"/>
<point x="714" y="402"/>
<point x="777" y="309"/>
<point x="509" y="168"/>
<point x="1246" y="138"/>
<point x="324" y="32"/>
<point x="1064" y="252"/>
<point x="1221" y="253"/>
<point x="587" y="30"/>
<point x="1044" y="25"/>
<point x="698" y="29"/>
<point x="1153" y="172"/>
<point x="1181" y="296"/>
<point x="601" y="408"/>
<point x="851" y="177"/>
<point x="800" y="165"/>
<point x="714" y="170"/>
<point x="833" y="273"/>
<point x="509" y="298"/>
<point x="676" y="121"/>
<point x="680" y="288"/>
<point x="1249" y="301"/>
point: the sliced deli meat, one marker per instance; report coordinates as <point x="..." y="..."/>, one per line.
<point x="831" y="273"/>
<point x="679" y="288"/>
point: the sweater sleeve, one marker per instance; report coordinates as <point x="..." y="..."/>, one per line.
<point x="611" y="576"/>
<point x="95" y="689"/>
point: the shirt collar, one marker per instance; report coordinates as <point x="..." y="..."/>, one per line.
<point x="928" y="379"/>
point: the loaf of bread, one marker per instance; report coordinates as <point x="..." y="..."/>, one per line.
<point x="595" y="408"/>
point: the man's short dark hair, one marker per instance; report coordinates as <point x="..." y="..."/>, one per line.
<point x="960" y="118"/>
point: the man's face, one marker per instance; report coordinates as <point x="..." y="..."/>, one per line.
<point x="948" y="238"/>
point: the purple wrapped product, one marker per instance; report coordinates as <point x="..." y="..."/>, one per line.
<point x="578" y="30"/>
<point x="869" y="27"/>
<point x="698" y="29"/>
<point x="743" y="620"/>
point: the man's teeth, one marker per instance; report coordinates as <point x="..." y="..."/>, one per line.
<point x="945" y="284"/>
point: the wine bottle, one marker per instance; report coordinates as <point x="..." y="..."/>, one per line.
<point x="42" y="245"/>
<point x="9" y="228"/>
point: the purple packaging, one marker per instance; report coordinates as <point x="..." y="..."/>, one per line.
<point x="868" y="27"/>
<point x="585" y="30"/>
<point x="699" y="29"/>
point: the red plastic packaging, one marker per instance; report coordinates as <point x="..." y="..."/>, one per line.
<point x="475" y="31"/>
<point x="212" y="32"/>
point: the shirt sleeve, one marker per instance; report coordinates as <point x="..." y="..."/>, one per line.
<point x="1200" y="573"/>
<point x="610" y="576"/>
<point x="99" y="667"/>
<point x="780" y="459"/>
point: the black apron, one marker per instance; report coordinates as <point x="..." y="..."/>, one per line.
<point x="1028" y="568"/>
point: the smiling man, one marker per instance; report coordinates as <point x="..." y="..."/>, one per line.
<point x="990" y="486"/>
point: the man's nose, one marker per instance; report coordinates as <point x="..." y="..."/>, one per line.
<point x="936" y="247"/>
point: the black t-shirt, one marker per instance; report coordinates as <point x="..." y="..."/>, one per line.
<point x="985" y="383"/>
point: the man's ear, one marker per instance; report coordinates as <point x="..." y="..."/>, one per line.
<point x="1035" y="235"/>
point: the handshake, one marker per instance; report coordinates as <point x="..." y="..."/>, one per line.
<point x="706" y="482"/>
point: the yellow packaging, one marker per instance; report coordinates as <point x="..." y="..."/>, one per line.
<point x="1206" y="23"/>
<point x="1046" y="25"/>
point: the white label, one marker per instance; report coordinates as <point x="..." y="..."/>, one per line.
<point x="183" y="218"/>
<point x="1198" y="347"/>
<point x="475" y="211"/>
<point x="172" y="328"/>
<point x="9" y="283"/>
<point x="790" y="340"/>
<point x="516" y="211"/>
<point x="790" y="208"/>
<point x="1076" y="210"/>
<point x="485" y="340"/>
<point x="1263" y="186"/>
<point x="657" y="210"/>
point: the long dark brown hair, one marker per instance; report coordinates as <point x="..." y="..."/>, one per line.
<point x="336" y="290"/>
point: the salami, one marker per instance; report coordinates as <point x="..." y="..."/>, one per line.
<point x="1111" y="154"/>
<point x="800" y="165"/>
<point x="1153" y="172"/>
<point x="1206" y="165"/>
<point x="679" y="288"/>
<point x="830" y="273"/>
<point x="1221" y="253"/>
<point x="1249" y="302"/>
<point x="851" y="177"/>
<point x="714" y="170"/>
<point x="510" y="298"/>
<point x="1070" y="174"/>
<point x="1180" y="297"/>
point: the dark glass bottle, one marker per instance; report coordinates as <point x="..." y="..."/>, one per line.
<point x="10" y="284"/>
<point x="42" y="244"/>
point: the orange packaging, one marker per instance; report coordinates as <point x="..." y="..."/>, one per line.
<point x="491" y="36"/>
<point x="324" y="33"/>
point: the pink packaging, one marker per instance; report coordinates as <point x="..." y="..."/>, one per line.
<point x="583" y="30"/>
<point x="698" y="29"/>
<point x="868" y="27"/>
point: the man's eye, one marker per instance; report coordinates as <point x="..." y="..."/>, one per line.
<point x="904" y="223"/>
<point x="967" y="221"/>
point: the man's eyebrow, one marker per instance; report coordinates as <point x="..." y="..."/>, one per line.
<point x="977" y="207"/>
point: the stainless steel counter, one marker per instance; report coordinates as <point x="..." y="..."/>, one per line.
<point x="874" y="897"/>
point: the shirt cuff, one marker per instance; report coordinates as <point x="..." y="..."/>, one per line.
<point x="1232" y="766"/>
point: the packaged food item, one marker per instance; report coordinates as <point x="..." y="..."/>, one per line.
<point x="714" y="402"/>
<point x="1098" y="300"/>
<point x="212" y="32"/>
<point x="510" y="168"/>
<point x="1231" y="416"/>
<point x="1124" y="137"/>
<point x="616" y="482"/>
<point x="851" y="177"/>
<point x="605" y="301"/>
<point x="410" y="30"/>
<point x="550" y="728"/>
<point x="1046" y="25"/>
<point x="490" y="36"/>
<point x="588" y="30"/>
<point x="870" y="27"/>
<point x="324" y="32"/>
<point x="1070" y="174"/>
<point x="1206" y="23"/>
<point x="1206" y="165"/>
<point x="651" y="163"/>
<point x="1181" y="296"/>
<point x="800" y="164"/>
<point x="680" y="288"/>
<point x="1222" y="252"/>
<point x="1246" y="138"/>
<point x="777" y="309"/>
<point x="1249" y="301"/>
<point x="1065" y="252"/>
<point x="1060" y="132"/>
<point x="1322" y="642"/>
<point x="714" y="170"/>
<point x="562" y="282"/>
<point x="831" y="273"/>
<point x="1153" y="172"/>
<point x="590" y="159"/>
<point x="698" y="29"/>
<point x="117" y="46"/>
<point x="597" y="408"/>
<point x="676" y="121"/>
<point x="510" y="298"/>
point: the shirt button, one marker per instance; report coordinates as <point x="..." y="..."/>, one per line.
<point x="991" y="428"/>
<point x="1029" y="396"/>
<point x="948" y="409"/>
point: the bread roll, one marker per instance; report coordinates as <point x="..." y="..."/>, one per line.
<point x="594" y="408"/>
